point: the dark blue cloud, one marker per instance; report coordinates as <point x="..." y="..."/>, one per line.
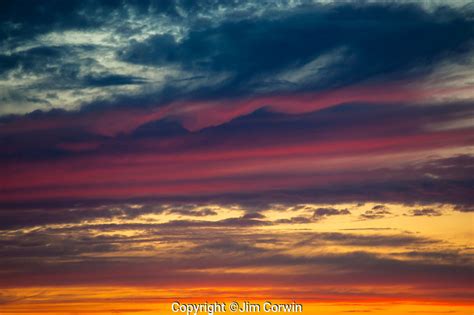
<point x="376" y="40"/>
<point x="218" y="49"/>
<point x="33" y="60"/>
<point x="25" y="19"/>
<point x="112" y="79"/>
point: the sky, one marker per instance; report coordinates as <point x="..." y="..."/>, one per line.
<point x="312" y="151"/>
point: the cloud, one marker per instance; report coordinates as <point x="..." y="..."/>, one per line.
<point x="141" y="52"/>
<point x="464" y="208"/>
<point x="238" y="222"/>
<point x="190" y="145"/>
<point x="254" y="215"/>
<point x="296" y="220"/>
<point x="318" y="214"/>
<point x="425" y="212"/>
<point x="11" y="219"/>
<point x="112" y="79"/>
<point x="377" y="212"/>
<point x="386" y="145"/>
<point x="355" y="269"/>
<point x="440" y="256"/>
<point x="323" y="212"/>
<point x="192" y="255"/>
<point x="254" y="48"/>
<point x="193" y="213"/>
<point x="227" y="246"/>
<point x="372" y="240"/>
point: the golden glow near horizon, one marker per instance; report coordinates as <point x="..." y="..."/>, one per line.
<point x="394" y="231"/>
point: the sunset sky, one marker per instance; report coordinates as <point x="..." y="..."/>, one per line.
<point x="312" y="151"/>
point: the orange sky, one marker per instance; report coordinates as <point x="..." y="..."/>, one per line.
<point x="340" y="262"/>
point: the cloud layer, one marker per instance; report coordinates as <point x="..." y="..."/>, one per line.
<point x="315" y="149"/>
